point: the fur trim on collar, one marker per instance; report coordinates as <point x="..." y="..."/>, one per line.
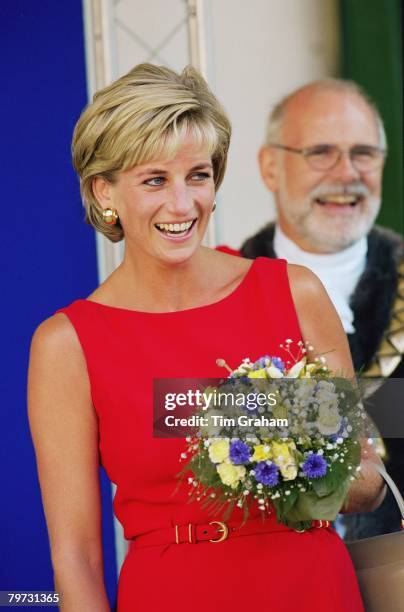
<point x="374" y="294"/>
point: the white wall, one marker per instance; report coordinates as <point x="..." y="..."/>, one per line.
<point x="262" y="50"/>
<point x="257" y="51"/>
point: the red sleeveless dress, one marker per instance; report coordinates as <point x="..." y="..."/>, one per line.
<point x="125" y="350"/>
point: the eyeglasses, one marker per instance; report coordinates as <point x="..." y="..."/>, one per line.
<point x="364" y="158"/>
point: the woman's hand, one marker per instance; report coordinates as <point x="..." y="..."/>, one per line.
<point x="321" y="327"/>
<point x="65" y="434"/>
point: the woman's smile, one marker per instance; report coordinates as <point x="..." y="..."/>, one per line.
<point x="177" y="231"/>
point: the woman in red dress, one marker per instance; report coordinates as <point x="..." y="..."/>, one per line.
<point x="151" y="153"/>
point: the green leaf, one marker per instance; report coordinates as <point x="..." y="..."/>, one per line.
<point x="326" y="485"/>
<point x="286" y="502"/>
<point x="337" y="472"/>
<point x="309" y="506"/>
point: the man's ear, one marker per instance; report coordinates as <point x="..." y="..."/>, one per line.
<point x="268" y="168"/>
<point x="102" y="191"/>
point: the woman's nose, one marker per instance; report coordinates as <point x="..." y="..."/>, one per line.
<point x="180" y="201"/>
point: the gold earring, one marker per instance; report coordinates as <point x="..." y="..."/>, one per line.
<point x="214" y="206"/>
<point x="110" y="216"/>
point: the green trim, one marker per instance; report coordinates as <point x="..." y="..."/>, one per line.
<point x="372" y="56"/>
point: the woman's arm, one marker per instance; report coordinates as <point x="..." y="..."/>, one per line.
<point x="65" y="434"/>
<point x="321" y="327"/>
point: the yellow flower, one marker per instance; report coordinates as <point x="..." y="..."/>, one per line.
<point x="283" y="456"/>
<point x="282" y="448"/>
<point x="261" y="452"/>
<point x="288" y="471"/>
<point x="231" y="474"/>
<point x="257" y="373"/>
<point x="311" y="367"/>
<point x="219" y="451"/>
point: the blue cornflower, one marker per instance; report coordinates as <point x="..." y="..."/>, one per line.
<point x="278" y="363"/>
<point x="239" y="452"/>
<point x="315" y="466"/>
<point x="267" y="473"/>
<point x="260" y="363"/>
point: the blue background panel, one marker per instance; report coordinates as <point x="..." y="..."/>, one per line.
<point x="48" y="254"/>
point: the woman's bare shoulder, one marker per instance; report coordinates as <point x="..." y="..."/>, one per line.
<point x="58" y="381"/>
<point x="56" y="339"/>
<point x="231" y="263"/>
<point x="54" y="330"/>
<point x="305" y="285"/>
<point x="303" y="279"/>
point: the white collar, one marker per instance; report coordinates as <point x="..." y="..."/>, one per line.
<point x="339" y="272"/>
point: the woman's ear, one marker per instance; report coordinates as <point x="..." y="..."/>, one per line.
<point x="102" y="191"/>
<point x="268" y="168"/>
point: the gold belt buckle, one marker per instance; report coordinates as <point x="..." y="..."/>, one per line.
<point x="223" y="529"/>
<point x="323" y="523"/>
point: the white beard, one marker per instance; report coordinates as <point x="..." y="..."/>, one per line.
<point x="328" y="233"/>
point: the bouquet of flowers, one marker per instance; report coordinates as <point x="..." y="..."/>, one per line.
<point x="296" y="451"/>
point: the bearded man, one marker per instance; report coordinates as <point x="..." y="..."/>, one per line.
<point x="323" y="161"/>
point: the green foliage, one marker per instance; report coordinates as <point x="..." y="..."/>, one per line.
<point x="284" y="504"/>
<point x="309" y="506"/>
<point x="205" y="471"/>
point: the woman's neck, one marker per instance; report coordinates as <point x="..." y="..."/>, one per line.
<point x="146" y="284"/>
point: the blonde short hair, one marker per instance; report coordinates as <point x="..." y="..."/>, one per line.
<point x="142" y="116"/>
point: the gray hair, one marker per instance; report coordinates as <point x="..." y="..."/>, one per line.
<point x="277" y="115"/>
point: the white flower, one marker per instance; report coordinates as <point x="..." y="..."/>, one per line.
<point x="273" y="372"/>
<point x="296" y="369"/>
<point x="328" y="420"/>
<point x="304" y="391"/>
<point x="212" y="430"/>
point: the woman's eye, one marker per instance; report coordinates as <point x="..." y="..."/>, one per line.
<point x="156" y="181"/>
<point x="200" y="176"/>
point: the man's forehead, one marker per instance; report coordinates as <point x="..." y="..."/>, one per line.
<point x="329" y="116"/>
